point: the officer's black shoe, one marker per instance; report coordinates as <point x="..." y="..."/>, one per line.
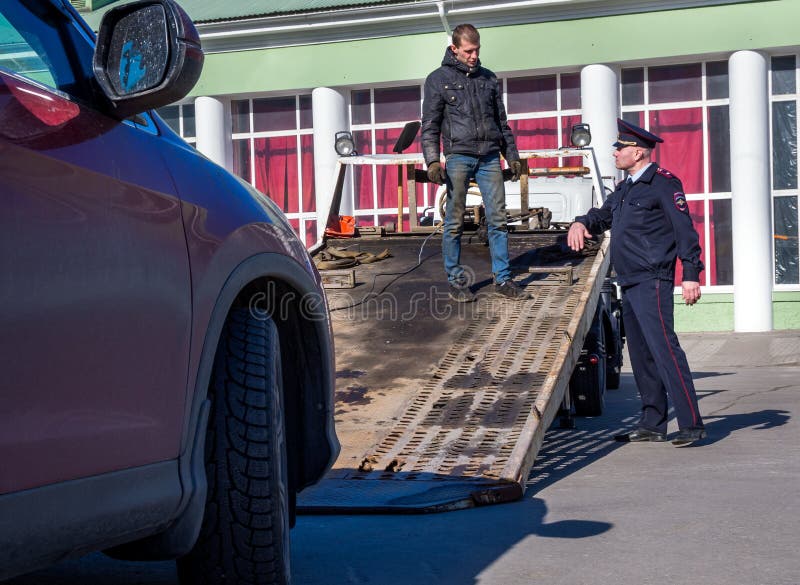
<point x="460" y="293"/>
<point x="641" y="436"/>
<point x="689" y="436"/>
<point x="511" y="290"/>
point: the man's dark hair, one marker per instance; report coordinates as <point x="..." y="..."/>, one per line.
<point x="466" y="32"/>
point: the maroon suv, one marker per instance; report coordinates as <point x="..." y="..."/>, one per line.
<point x="166" y="362"/>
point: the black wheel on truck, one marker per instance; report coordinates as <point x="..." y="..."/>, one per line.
<point x="588" y="382"/>
<point x="244" y="538"/>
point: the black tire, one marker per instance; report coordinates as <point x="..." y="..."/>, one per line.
<point x="244" y="539"/>
<point x="588" y="382"/>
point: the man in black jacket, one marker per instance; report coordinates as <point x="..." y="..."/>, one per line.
<point x="463" y="109"/>
<point x="651" y="227"/>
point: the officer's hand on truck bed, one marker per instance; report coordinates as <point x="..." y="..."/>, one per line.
<point x="576" y="235"/>
<point x="691" y="291"/>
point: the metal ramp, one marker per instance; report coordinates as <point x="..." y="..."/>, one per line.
<point x="467" y="432"/>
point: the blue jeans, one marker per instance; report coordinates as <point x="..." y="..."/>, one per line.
<point x="488" y="174"/>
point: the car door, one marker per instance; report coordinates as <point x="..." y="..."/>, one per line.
<point x="94" y="275"/>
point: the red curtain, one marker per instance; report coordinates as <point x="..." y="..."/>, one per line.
<point x="534" y="134"/>
<point x="697" y="212"/>
<point x="682" y="149"/>
<point x="362" y="174"/>
<point x="386" y="174"/>
<point x="307" y="169"/>
<point x="276" y="171"/>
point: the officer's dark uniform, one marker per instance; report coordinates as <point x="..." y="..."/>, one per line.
<point x="651" y="226"/>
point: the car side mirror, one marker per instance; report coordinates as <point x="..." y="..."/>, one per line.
<point x="147" y="55"/>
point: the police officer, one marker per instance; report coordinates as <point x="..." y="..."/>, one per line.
<point x="651" y="226"/>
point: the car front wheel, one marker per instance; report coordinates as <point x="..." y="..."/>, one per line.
<point x="244" y="539"/>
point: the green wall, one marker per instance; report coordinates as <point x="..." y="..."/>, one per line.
<point x="562" y="44"/>
<point x="714" y="312"/>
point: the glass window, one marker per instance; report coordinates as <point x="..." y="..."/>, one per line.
<point x="632" y="87"/>
<point x="240" y="116"/>
<point x="786" y="243"/>
<point x="783" y="77"/>
<point x="189" y="126"/>
<point x="532" y="94"/>
<point x="306" y="114"/>
<point x="720" y="257"/>
<point x="571" y="91"/>
<point x="397" y="104"/>
<point x="717" y="80"/>
<point x="274" y="114"/>
<point x="241" y="158"/>
<point x="674" y="83"/>
<point x="172" y="116"/>
<point x="360" y="107"/>
<point x="42" y="45"/>
<point x="784" y="145"/>
<point x="719" y="149"/>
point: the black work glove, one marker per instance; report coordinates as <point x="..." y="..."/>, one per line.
<point x="436" y="173"/>
<point x="516" y="168"/>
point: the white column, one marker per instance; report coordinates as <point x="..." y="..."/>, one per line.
<point x="329" y="107"/>
<point x="212" y="116"/>
<point x="750" y="185"/>
<point x="600" y="104"/>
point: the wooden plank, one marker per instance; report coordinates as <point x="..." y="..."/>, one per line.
<point x="338" y="278"/>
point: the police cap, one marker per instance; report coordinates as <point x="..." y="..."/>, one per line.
<point x="631" y="135"/>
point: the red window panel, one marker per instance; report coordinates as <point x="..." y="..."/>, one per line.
<point x="307" y="169"/>
<point x="534" y="134"/>
<point x="699" y="219"/>
<point x="362" y="174"/>
<point x="385" y="139"/>
<point x="311" y="233"/>
<point x="276" y="171"/>
<point x="682" y="149"/>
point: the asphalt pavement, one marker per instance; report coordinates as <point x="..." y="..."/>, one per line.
<point x="722" y="512"/>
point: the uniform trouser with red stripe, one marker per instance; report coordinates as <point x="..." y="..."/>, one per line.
<point x="658" y="362"/>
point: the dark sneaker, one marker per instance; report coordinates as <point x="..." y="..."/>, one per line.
<point x="641" y="436"/>
<point x="460" y="293"/>
<point x="689" y="436"/>
<point x="511" y="290"/>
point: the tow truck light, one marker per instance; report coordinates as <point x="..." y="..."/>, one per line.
<point x="344" y="144"/>
<point x="580" y="136"/>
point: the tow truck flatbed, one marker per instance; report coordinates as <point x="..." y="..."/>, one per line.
<point x="442" y="405"/>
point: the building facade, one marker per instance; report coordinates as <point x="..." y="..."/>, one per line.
<point x="718" y="80"/>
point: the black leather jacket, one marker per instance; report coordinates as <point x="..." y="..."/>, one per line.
<point x="465" y="109"/>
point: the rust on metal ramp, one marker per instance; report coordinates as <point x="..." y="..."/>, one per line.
<point x="443" y="405"/>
